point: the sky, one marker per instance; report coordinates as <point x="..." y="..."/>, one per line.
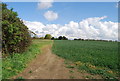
<point x="61" y="0"/>
<point x="93" y="20"/>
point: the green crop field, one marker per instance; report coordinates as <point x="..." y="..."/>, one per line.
<point x="95" y="57"/>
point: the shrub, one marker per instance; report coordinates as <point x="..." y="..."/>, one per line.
<point x="48" y="36"/>
<point x="15" y="34"/>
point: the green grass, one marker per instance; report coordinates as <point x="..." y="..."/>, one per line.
<point x="70" y="71"/>
<point x="96" y="57"/>
<point x="13" y="65"/>
<point x="70" y="66"/>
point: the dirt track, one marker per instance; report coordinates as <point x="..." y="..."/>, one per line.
<point x="49" y="66"/>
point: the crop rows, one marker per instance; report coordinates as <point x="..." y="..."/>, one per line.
<point x="87" y="54"/>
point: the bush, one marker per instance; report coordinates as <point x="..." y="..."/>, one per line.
<point x="15" y="34"/>
<point x="48" y="36"/>
<point x="62" y="38"/>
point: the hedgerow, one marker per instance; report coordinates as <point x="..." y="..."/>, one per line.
<point x="15" y="35"/>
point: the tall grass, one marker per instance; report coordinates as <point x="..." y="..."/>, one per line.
<point x="13" y="65"/>
<point x="96" y="57"/>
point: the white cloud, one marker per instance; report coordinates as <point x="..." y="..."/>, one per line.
<point x="118" y="5"/>
<point x="46" y="0"/>
<point x="92" y="28"/>
<point x="50" y="15"/>
<point x="45" y="4"/>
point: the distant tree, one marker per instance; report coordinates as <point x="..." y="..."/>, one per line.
<point x="116" y="41"/>
<point x="60" y="38"/>
<point x="41" y="38"/>
<point x="56" y="39"/>
<point x="52" y="38"/>
<point x="75" y="39"/>
<point x="65" y="38"/>
<point x="48" y="36"/>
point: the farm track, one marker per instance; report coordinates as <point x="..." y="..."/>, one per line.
<point x="49" y="66"/>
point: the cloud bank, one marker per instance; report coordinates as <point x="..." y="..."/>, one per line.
<point x="90" y="28"/>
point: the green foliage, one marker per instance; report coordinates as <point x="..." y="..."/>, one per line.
<point x="90" y="53"/>
<point x="60" y="38"/>
<point x="15" y="34"/>
<point x="71" y="71"/>
<point x="52" y="38"/>
<point x="69" y="66"/>
<point x="48" y="36"/>
<point x="41" y="37"/>
<point x="13" y="65"/>
<point x="30" y="71"/>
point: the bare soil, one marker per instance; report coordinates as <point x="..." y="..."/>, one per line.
<point x="49" y="66"/>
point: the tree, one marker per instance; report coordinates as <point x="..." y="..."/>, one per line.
<point x="15" y="35"/>
<point x="65" y="38"/>
<point x="60" y="38"/>
<point x="75" y="39"/>
<point x="48" y="36"/>
<point x="52" y="38"/>
<point x="41" y="38"/>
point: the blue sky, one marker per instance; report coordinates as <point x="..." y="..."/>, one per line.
<point x="87" y="20"/>
<point x="67" y="11"/>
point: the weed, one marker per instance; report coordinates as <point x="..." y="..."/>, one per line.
<point x="71" y="71"/>
<point x="30" y="71"/>
<point x="69" y="66"/>
<point x="88" y="77"/>
<point x="20" y="78"/>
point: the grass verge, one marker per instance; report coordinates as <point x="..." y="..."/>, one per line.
<point x="11" y="66"/>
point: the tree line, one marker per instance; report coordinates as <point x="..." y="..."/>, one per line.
<point x="60" y="38"/>
<point x="48" y="36"/>
<point x="95" y="40"/>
